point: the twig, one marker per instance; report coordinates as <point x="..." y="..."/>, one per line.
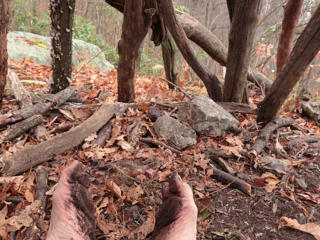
<point x="178" y="88"/>
<point x="149" y="140"/>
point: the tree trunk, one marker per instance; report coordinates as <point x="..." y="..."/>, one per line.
<point x="205" y="39"/>
<point x="305" y="49"/>
<point x="170" y="60"/>
<point x="136" y="23"/>
<point x="240" y="42"/>
<point x="212" y="83"/>
<point x="61" y="14"/>
<point x="292" y="12"/>
<point x="4" y="21"/>
<point x="231" y="6"/>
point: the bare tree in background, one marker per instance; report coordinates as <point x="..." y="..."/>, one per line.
<point x="61" y="14"/>
<point x="4" y="21"/>
<point x="305" y="49"/>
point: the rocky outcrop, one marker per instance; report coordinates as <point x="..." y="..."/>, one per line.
<point x="37" y="48"/>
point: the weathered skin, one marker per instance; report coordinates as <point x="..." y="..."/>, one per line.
<point x="177" y="217"/>
<point x="72" y="215"/>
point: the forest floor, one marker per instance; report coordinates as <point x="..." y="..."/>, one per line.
<point x="126" y="184"/>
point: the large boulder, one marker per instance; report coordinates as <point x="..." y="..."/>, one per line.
<point x="206" y="117"/>
<point x="174" y="132"/>
<point x="37" y="48"/>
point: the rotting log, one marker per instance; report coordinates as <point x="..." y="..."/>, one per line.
<point x="21" y="127"/>
<point x="39" y="108"/>
<point x="241" y="37"/>
<point x="305" y="49"/>
<point x="31" y="156"/>
<point x="212" y="83"/>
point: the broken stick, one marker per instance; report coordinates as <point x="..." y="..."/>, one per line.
<point x="39" y="108"/>
<point x="265" y="133"/>
<point x="21" y="94"/>
<point x="31" y="156"/>
<point x="23" y="126"/>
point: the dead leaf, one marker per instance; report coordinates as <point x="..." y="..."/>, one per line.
<point x="311" y="228"/>
<point x="114" y="188"/>
<point x="68" y="115"/>
<point x="163" y="175"/>
<point x="270" y="180"/>
<point x="29" y="196"/>
<point x="125" y="146"/>
<point x="24" y="219"/>
<point x="135" y="192"/>
<point x="145" y="228"/>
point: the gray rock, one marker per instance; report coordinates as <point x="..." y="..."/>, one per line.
<point x="274" y="164"/>
<point x="206" y="117"/>
<point x="174" y="132"/>
<point x="37" y="48"/>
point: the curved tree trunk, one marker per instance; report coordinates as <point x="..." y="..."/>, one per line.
<point x="4" y="21"/>
<point x="240" y="42"/>
<point x="305" y="49"/>
<point x="212" y="83"/>
<point x="134" y="29"/>
<point x="170" y="60"/>
<point x="292" y="12"/>
<point x="61" y="14"/>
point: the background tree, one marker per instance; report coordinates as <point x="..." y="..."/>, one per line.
<point x="61" y="14"/>
<point x="4" y="20"/>
<point x="292" y="13"/>
<point x="305" y="49"/>
<point x="244" y="15"/>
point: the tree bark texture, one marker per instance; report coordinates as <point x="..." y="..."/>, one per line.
<point x="136" y="23"/>
<point x="305" y="49"/>
<point x="231" y="7"/>
<point x="204" y="38"/>
<point x="292" y="13"/>
<point x="170" y="60"/>
<point x="212" y="83"/>
<point x="245" y="18"/>
<point x="4" y="21"/>
<point x="61" y="14"/>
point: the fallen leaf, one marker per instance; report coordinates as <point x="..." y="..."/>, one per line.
<point x="24" y="219"/>
<point x="145" y="228"/>
<point x="114" y="188"/>
<point x="135" y="192"/>
<point x="311" y="228"/>
<point x="271" y="181"/>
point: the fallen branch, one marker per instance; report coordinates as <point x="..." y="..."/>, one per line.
<point x="160" y="144"/>
<point x="304" y="139"/>
<point x="178" y="88"/>
<point x="31" y="156"/>
<point x="265" y="133"/>
<point x="234" y="181"/>
<point x="21" y="94"/>
<point x="39" y="108"/>
<point x="23" y="126"/>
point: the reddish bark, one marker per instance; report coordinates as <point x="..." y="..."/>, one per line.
<point x="136" y="23"/>
<point x="4" y="21"/>
<point x="305" y="49"/>
<point x="292" y="13"/>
